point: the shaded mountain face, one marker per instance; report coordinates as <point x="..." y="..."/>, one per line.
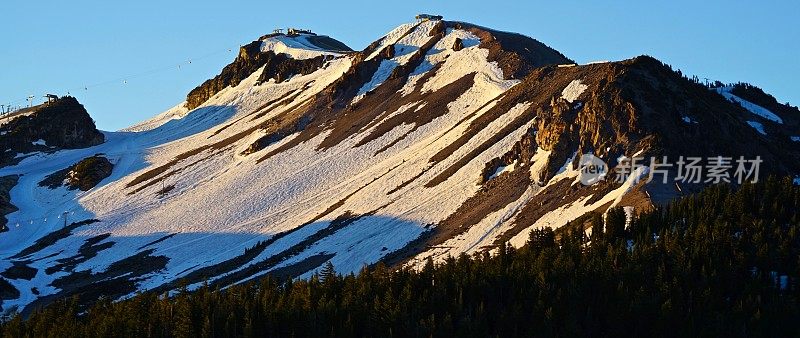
<point x="61" y="124"/>
<point x="439" y="138"/>
<point x="6" y="183"/>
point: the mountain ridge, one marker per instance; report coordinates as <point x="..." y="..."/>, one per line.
<point x="439" y="138"/>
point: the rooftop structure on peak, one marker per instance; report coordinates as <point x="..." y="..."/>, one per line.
<point x="297" y="31"/>
<point x="423" y="17"/>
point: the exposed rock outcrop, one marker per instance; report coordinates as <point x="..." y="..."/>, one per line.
<point x="61" y="124"/>
<point x="87" y="173"/>
<point x="248" y="61"/>
<point x="83" y="175"/>
<point x="522" y="152"/>
<point x="458" y="44"/>
<point x="279" y="66"/>
<point x="6" y="183"/>
<point x="388" y="52"/>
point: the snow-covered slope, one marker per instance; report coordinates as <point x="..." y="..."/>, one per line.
<point x="752" y="107"/>
<point x="372" y="156"/>
<point x="300" y="46"/>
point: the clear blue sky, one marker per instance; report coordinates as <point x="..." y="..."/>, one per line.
<point x="60" y="46"/>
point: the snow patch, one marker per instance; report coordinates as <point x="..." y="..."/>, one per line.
<point x="539" y="164"/>
<point x="752" y="107"/>
<point x="175" y="113"/>
<point x="628" y="216"/>
<point x="573" y="90"/>
<point x="298" y="47"/>
<point x="758" y="127"/>
<point x="404" y="49"/>
<point x="439" y="53"/>
<point x="503" y="169"/>
<point x="391" y="38"/>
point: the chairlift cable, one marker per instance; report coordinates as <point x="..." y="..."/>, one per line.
<point x="125" y="79"/>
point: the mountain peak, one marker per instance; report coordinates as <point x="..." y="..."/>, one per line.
<point x="302" y="44"/>
<point x="62" y="123"/>
<point x="516" y="54"/>
<point x="438" y="139"/>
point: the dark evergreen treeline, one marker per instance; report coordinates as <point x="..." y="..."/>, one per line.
<point x="721" y="263"/>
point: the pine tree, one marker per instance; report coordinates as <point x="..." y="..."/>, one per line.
<point x="615" y="223"/>
<point x="328" y="273"/>
<point x="597" y="228"/>
<point x="539" y="239"/>
<point x="183" y="317"/>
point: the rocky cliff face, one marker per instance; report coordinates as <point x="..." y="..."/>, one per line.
<point x="641" y="105"/>
<point x="62" y="124"/>
<point x="277" y="65"/>
<point x="248" y="61"/>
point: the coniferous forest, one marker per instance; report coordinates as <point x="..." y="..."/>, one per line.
<point x="723" y="262"/>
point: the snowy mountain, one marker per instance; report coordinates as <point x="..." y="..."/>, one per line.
<point x="440" y="138"/>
